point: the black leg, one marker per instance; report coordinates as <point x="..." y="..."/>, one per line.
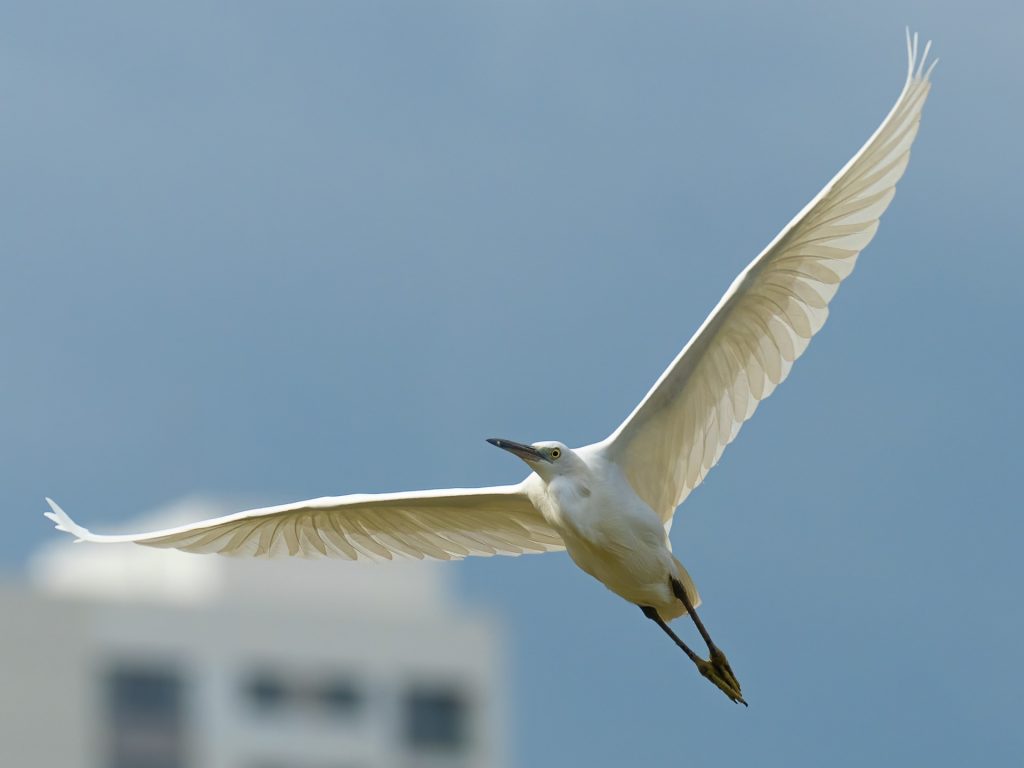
<point x="653" y="615"/>
<point x="680" y="593"/>
<point x="712" y="671"/>
<point x="718" y="660"/>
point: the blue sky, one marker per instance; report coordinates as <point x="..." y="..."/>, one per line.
<point x="286" y="250"/>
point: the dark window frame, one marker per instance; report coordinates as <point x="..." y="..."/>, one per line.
<point x="146" y="707"/>
<point x="437" y="717"/>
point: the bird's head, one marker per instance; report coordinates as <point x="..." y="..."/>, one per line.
<point x="548" y="459"/>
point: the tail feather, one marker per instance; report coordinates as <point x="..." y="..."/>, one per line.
<point x="65" y="523"/>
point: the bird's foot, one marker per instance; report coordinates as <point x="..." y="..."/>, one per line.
<point x="721" y="665"/>
<point x="718" y="671"/>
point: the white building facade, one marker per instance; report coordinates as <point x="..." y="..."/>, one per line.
<point x="126" y="657"/>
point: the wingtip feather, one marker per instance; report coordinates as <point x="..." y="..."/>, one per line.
<point x="62" y="522"/>
<point x="916" y="69"/>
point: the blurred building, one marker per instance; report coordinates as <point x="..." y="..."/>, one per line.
<point x="127" y="657"/>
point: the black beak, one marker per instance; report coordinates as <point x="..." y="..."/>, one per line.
<point x="524" y="452"/>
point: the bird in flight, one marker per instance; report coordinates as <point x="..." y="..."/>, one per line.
<point x="610" y="504"/>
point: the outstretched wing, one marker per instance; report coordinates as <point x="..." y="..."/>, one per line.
<point x="763" y="323"/>
<point x="444" y="524"/>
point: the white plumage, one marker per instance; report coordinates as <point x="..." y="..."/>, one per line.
<point x="610" y="504"/>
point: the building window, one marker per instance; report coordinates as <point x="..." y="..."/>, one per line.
<point x="436" y="719"/>
<point x="269" y="692"/>
<point x="147" y="717"/>
<point x="338" y="697"/>
<point x="265" y="691"/>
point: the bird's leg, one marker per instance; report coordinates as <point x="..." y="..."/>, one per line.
<point x="718" y="659"/>
<point x="653" y="615"/>
<point x="708" y="669"/>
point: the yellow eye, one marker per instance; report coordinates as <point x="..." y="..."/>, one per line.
<point x="556" y="452"/>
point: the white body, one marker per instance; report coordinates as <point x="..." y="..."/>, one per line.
<point x="611" y="504"/>
<point x="610" y="532"/>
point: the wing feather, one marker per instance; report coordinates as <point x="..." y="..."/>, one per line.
<point x="443" y="525"/>
<point x="747" y="345"/>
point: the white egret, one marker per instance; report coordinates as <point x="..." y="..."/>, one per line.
<point x="610" y="504"/>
